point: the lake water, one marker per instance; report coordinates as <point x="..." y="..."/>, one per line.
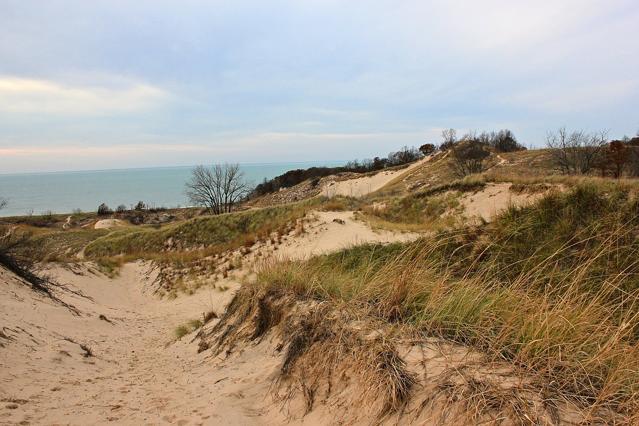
<point x="62" y="192"/>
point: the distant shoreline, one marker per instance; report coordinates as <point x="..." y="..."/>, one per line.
<point x="275" y="163"/>
<point x="63" y="192"/>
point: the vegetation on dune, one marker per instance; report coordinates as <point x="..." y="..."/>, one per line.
<point x="413" y="212"/>
<point x="435" y="208"/>
<point x="59" y="246"/>
<point x="186" y="328"/>
<point x="551" y="287"/>
<point x="402" y="157"/>
<point x="226" y="231"/>
<point x="15" y="257"/>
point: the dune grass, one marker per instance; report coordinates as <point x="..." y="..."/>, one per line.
<point x="433" y="209"/>
<point x="54" y="245"/>
<point x="551" y="287"/>
<point x="199" y="236"/>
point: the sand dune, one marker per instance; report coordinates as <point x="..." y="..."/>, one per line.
<point x="118" y="361"/>
<point x="360" y="187"/>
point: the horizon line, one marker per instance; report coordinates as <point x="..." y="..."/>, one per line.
<point x="273" y="163"/>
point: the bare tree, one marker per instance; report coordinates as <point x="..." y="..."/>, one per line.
<point x="217" y="188"/>
<point x="576" y="152"/>
<point x="449" y="137"/>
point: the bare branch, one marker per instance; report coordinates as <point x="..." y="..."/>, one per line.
<point x="217" y="188"/>
<point x="576" y="152"/>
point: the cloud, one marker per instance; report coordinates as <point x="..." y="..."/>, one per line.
<point x="97" y="84"/>
<point x="218" y="148"/>
<point x="566" y="98"/>
<point x="31" y="96"/>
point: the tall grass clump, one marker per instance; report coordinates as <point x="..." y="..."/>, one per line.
<point x="551" y="288"/>
<point x="430" y="209"/>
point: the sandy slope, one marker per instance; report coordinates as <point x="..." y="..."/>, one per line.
<point x="494" y="199"/>
<point x="332" y="231"/>
<point x="137" y="374"/>
<point x="133" y="377"/>
<point x="359" y="187"/>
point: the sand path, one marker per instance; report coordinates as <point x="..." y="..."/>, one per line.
<point x="138" y="373"/>
<point x="360" y="187"/>
<point x="133" y="377"/>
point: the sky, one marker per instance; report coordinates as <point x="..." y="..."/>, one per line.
<point x="116" y="84"/>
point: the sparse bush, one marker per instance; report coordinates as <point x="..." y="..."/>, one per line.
<point x="181" y="331"/>
<point x="121" y="208"/>
<point x="140" y="206"/>
<point x="404" y="156"/>
<point x="618" y="155"/>
<point x="184" y="329"/>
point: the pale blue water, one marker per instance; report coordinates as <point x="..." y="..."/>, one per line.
<point x="62" y="192"/>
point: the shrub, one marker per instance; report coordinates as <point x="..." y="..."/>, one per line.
<point x="104" y="210"/>
<point x="505" y="141"/>
<point x="427" y="148"/>
<point x="468" y="157"/>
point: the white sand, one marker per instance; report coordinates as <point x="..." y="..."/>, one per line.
<point x="324" y="235"/>
<point x="108" y="223"/>
<point x="133" y="377"/>
<point x="360" y="187"/>
<point x="493" y="199"/>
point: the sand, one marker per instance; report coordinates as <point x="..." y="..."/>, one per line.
<point x="108" y="223"/>
<point x="133" y="377"/>
<point x="493" y="199"/>
<point x="331" y="231"/>
<point x="138" y="373"/>
<point x="360" y="187"/>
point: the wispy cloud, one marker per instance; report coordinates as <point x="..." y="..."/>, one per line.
<point x="95" y="84"/>
<point x="31" y="96"/>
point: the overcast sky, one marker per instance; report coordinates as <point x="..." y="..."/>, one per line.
<point x="112" y="84"/>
